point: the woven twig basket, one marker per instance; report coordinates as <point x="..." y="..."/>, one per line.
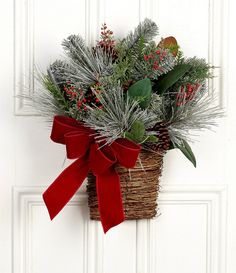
<point x="139" y="187"/>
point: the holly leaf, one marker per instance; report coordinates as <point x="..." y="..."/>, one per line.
<point x="171" y="78"/>
<point x="141" y="91"/>
<point x="187" y="151"/>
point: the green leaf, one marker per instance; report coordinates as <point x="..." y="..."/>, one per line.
<point x="171" y="78"/>
<point x="137" y="132"/>
<point x="172" y="146"/>
<point x="187" y="151"/>
<point x="141" y="90"/>
<point x="129" y="136"/>
<point x="151" y="138"/>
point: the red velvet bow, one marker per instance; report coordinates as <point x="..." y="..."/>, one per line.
<point x="81" y="145"/>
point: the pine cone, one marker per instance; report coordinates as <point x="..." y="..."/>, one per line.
<point x="127" y="84"/>
<point x="162" y="134"/>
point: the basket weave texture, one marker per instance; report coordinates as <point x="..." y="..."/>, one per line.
<point x="139" y="187"/>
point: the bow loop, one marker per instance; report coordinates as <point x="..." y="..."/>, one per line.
<point x="80" y="145"/>
<point x="101" y="159"/>
<point x="77" y="144"/>
<point x="61" y="126"/>
<point x="126" y="152"/>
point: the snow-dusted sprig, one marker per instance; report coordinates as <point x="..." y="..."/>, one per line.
<point x="87" y="65"/>
<point x="62" y="72"/>
<point x="199" y="71"/>
<point x="192" y="116"/>
<point x="147" y="30"/>
<point x="118" y="114"/>
<point x="46" y="100"/>
<point x="44" y="103"/>
<point x="156" y="105"/>
<point x="153" y="64"/>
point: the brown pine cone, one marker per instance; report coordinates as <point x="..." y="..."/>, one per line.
<point x="162" y="134"/>
<point x="127" y="84"/>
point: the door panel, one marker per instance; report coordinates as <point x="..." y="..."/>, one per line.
<point x="191" y="234"/>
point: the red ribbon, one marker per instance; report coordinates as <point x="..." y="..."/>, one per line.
<point x="81" y="145"/>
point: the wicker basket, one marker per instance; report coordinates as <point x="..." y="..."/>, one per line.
<point x="139" y="187"/>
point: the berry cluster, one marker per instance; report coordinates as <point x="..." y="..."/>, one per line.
<point x="71" y="92"/>
<point x="82" y="99"/>
<point x="75" y="95"/>
<point x="155" y="59"/>
<point x="91" y="100"/>
<point x="106" y="39"/>
<point x="186" y="93"/>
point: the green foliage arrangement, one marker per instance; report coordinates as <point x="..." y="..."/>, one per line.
<point x="133" y="87"/>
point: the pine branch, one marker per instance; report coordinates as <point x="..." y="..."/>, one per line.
<point x="73" y="46"/>
<point x="191" y="116"/>
<point x="46" y="100"/>
<point x="145" y="31"/>
<point x="148" y="68"/>
<point x="198" y="73"/>
<point x="86" y="65"/>
<point x="118" y="114"/>
<point x="62" y="72"/>
<point x="50" y="84"/>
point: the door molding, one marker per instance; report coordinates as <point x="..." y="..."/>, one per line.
<point x="212" y="197"/>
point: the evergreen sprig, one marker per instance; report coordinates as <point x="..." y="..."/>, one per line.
<point x="50" y="84"/>
<point x="118" y="114"/>
<point x="87" y="64"/>
<point x="191" y="116"/>
<point x="145" y="32"/>
<point x="199" y="71"/>
<point x="128" y="87"/>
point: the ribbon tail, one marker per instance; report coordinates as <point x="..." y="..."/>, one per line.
<point x="109" y="199"/>
<point x="65" y="186"/>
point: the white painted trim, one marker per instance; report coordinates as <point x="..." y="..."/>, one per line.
<point x="218" y="43"/>
<point x="213" y="197"/>
<point x="24" y="199"/>
<point x="146" y="9"/>
<point x="24" y="65"/>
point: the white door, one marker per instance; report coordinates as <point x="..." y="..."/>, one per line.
<point x="196" y="230"/>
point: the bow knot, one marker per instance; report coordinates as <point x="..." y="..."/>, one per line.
<point x="80" y="145"/>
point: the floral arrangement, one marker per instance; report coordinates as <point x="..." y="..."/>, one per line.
<point x="131" y="91"/>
